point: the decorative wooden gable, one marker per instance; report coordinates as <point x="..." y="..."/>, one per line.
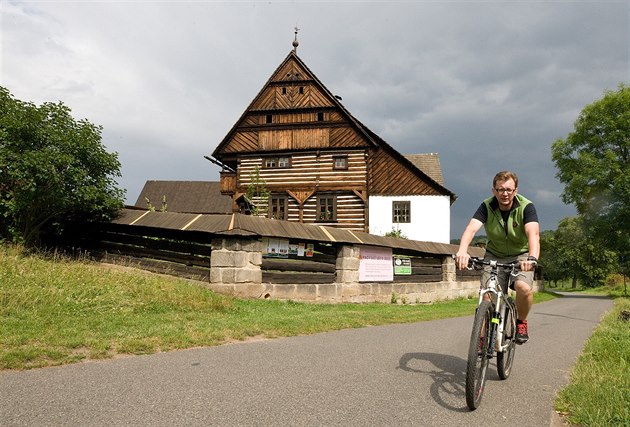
<point x="292" y="112"/>
<point x="296" y="119"/>
<point x="291" y="87"/>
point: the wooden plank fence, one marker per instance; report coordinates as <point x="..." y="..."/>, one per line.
<point x="318" y="269"/>
<point x="185" y="254"/>
<point x="188" y="254"/>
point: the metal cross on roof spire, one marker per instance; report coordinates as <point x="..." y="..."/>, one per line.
<point x="296" y="43"/>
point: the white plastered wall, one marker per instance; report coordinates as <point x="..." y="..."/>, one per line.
<point x="430" y="217"/>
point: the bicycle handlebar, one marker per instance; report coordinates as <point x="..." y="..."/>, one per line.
<point x="476" y="262"/>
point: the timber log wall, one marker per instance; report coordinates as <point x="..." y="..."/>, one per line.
<point x="248" y="257"/>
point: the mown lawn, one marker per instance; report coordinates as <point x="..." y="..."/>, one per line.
<point x="54" y="311"/>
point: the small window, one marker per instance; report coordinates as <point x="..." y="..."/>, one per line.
<point x="284" y="162"/>
<point x="301" y="90"/>
<point x="326" y="208"/>
<point x="284" y="90"/>
<point x="340" y="162"/>
<point x="401" y="212"/>
<point x="277" y="162"/>
<point x="320" y="117"/>
<point x="278" y="207"/>
<point x="269" y="118"/>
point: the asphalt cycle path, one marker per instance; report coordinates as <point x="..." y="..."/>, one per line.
<point x="411" y="374"/>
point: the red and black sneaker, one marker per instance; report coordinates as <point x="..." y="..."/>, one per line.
<point x="521" y="332"/>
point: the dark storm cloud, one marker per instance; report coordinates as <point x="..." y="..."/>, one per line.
<point x="487" y="85"/>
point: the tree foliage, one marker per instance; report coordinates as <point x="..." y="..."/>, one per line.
<point x="593" y="163"/>
<point x="571" y="252"/>
<point x="52" y="168"/>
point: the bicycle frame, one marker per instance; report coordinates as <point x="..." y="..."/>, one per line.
<point x="494" y="310"/>
<point x="499" y="300"/>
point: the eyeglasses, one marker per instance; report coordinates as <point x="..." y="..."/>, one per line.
<point x="505" y="190"/>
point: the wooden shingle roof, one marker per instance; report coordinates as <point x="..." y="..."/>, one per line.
<point x="185" y="196"/>
<point x="256" y="227"/>
<point x="429" y="164"/>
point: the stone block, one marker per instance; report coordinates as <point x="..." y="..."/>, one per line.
<point x="350" y="290"/>
<point x="218" y="244"/>
<point x="251" y="245"/>
<point x="306" y="292"/>
<point x="244" y="275"/>
<point x="225" y="289"/>
<point x="347" y="276"/>
<point x="228" y="275"/>
<point x="283" y="292"/>
<point x="221" y="258"/>
<point x="255" y="258"/>
<point x="347" y="251"/>
<point x="424" y="298"/>
<point x="328" y="292"/>
<point x="384" y="289"/>
<point x="249" y="290"/>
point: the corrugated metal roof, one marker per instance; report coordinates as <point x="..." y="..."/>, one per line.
<point x="247" y="225"/>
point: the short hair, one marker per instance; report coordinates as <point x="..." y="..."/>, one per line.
<point x="504" y="176"/>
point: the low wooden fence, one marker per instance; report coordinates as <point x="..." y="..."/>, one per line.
<point x="319" y="268"/>
<point x="233" y="257"/>
<point x="185" y="254"/>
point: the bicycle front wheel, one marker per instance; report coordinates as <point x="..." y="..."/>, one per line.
<point x="506" y="357"/>
<point x="478" y="357"/>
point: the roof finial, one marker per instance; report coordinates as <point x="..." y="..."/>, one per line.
<point x="296" y="43"/>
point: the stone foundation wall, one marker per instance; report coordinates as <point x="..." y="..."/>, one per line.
<point x="236" y="270"/>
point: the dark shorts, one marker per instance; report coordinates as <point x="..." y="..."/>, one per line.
<point x="523" y="276"/>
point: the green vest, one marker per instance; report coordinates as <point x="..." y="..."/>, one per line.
<point x="510" y="241"/>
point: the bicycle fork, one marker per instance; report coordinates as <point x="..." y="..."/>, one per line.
<point x="495" y="331"/>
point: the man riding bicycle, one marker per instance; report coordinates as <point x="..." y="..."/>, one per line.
<point x="512" y="228"/>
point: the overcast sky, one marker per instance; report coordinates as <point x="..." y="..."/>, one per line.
<point x="488" y="85"/>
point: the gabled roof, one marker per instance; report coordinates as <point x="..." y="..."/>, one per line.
<point x="405" y="159"/>
<point x="186" y="196"/>
<point x="293" y="69"/>
<point x="293" y="60"/>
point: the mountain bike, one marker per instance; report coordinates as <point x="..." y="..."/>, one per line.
<point x="494" y="329"/>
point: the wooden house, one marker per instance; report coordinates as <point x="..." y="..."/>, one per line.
<point x="316" y="163"/>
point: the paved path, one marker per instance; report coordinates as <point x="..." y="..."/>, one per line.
<point x="397" y="375"/>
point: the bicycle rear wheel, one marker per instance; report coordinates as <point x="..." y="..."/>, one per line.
<point x="478" y="355"/>
<point x="506" y="357"/>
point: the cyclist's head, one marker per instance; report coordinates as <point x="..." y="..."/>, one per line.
<point x="504" y="176"/>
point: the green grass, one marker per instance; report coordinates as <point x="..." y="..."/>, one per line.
<point x="55" y="311"/>
<point x="616" y="286"/>
<point x="599" y="392"/>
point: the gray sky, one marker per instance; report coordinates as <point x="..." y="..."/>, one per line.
<point x="488" y="85"/>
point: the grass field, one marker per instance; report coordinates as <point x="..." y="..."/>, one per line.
<point x="55" y="311"/>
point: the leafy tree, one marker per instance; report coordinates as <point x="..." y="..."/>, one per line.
<point x="593" y="163"/>
<point x="52" y="168"/>
<point x="554" y="267"/>
<point x="578" y="255"/>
